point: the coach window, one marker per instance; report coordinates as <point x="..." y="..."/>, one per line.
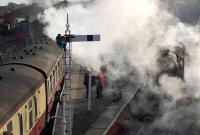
<point x="49" y="87"/>
<point x="56" y="72"/>
<point x="48" y="84"/>
<point x="35" y="103"/>
<point x="20" y="124"/>
<point x="58" y="67"/>
<point x="54" y="78"/>
<point x="51" y="82"/>
<point x="61" y="62"/>
<point x="10" y="126"/>
<point x="30" y="110"/>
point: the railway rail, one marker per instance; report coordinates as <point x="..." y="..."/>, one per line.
<point x="131" y="95"/>
<point x="8" y="46"/>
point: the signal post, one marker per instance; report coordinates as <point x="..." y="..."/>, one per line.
<point x="65" y="42"/>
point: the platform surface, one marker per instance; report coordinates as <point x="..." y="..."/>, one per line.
<point x="104" y="111"/>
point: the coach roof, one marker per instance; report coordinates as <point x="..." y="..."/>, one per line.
<point x="43" y="55"/>
<point x="17" y="83"/>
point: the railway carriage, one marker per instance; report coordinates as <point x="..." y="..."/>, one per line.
<point x="22" y="30"/>
<point x="28" y="85"/>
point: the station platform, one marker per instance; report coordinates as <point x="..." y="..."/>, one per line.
<point x="104" y="114"/>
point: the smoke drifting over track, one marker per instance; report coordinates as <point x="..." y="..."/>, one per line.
<point x="133" y="32"/>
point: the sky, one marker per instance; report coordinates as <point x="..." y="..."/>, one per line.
<point x="5" y="2"/>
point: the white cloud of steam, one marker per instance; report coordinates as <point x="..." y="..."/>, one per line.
<point x="173" y="86"/>
<point x="125" y="26"/>
<point x="192" y="74"/>
<point x="184" y="117"/>
<point x="80" y="0"/>
<point x="132" y="31"/>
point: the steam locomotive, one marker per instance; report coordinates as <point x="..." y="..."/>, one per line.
<point x="146" y="104"/>
<point x="28" y="85"/>
<point x="171" y="62"/>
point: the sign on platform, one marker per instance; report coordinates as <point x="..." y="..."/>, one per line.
<point x="62" y="40"/>
<point x="80" y="38"/>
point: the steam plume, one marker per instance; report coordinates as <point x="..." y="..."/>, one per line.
<point x="133" y="32"/>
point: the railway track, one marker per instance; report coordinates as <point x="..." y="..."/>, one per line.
<point x="141" y="131"/>
<point x="7" y="50"/>
<point x="8" y="46"/>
